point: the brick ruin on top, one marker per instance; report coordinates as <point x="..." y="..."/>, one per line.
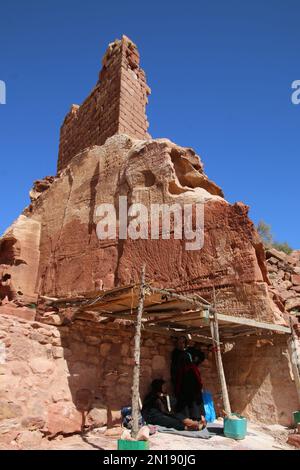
<point x="52" y="250"/>
<point x="115" y="106"/>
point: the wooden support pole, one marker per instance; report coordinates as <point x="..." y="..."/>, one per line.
<point x="294" y="353"/>
<point x="173" y="295"/>
<point x="214" y="329"/>
<point x="137" y="359"/>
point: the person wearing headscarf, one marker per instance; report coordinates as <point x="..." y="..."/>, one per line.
<point x="156" y="411"/>
<point x="180" y="357"/>
<point x="189" y="389"/>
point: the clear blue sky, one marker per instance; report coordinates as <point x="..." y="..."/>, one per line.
<point x="220" y="73"/>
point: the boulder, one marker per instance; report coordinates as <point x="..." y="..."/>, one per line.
<point x="33" y="423"/>
<point x="40" y="186"/>
<point x="278" y="255"/>
<point x="9" y="427"/>
<point x="294" y="440"/>
<point x="28" y="440"/>
<point x="97" y="418"/>
<point x="40" y="365"/>
<point x="292" y="303"/>
<point x="295" y="279"/>
<point x="9" y="409"/>
<point x="63" y="418"/>
<point x="58" y="352"/>
<point x="20" y="312"/>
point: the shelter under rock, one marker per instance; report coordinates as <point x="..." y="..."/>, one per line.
<point x="69" y="299"/>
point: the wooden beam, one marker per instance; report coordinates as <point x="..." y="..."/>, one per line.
<point x="116" y="316"/>
<point x="295" y="369"/>
<point x="214" y="328"/>
<point x="293" y="349"/>
<point x="167" y="331"/>
<point x="137" y="359"/>
<point x="220" y="370"/>
<point x="254" y="323"/>
<point x="187" y="316"/>
<point x="184" y="298"/>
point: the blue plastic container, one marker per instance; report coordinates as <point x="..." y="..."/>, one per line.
<point x="235" y="428"/>
<point x="210" y="414"/>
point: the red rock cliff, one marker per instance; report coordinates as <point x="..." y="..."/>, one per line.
<point x="105" y="152"/>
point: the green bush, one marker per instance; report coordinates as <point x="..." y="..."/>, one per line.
<point x="285" y="247"/>
<point x="265" y="232"/>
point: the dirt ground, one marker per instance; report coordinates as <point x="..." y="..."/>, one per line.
<point x="259" y="437"/>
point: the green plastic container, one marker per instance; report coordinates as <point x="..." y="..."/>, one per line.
<point x="235" y="428"/>
<point x="296" y="415"/>
<point x="132" y="445"/>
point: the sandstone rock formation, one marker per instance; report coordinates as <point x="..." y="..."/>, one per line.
<point x="19" y="261"/>
<point x="284" y="274"/>
<point x="100" y="162"/>
<point x="53" y="250"/>
<point x="73" y="261"/>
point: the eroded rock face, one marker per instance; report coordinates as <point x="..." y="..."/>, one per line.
<point x="73" y="261"/>
<point x="260" y="379"/>
<point x="40" y="186"/>
<point x="19" y="261"/>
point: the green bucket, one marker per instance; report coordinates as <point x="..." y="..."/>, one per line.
<point x="132" y="445"/>
<point x="235" y="428"/>
<point x="296" y="415"/>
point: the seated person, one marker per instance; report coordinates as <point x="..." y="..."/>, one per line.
<point x="155" y="410"/>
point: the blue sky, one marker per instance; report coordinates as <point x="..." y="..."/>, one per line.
<point x="220" y="73"/>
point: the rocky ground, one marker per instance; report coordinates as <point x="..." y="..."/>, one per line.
<point x="259" y="437"/>
<point x="284" y="274"/>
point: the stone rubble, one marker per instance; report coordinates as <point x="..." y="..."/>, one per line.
<point x="284" y="274"/>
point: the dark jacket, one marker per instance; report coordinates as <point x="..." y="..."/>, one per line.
<point x="154" y="402"/>
<point x="179" y="359"/>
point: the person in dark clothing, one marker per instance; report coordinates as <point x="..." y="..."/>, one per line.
<point x="180" y="356"/>
<point x="189" y="389"/>
<point x="155" y="410"/>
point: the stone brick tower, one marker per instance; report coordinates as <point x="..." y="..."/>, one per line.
<point x="117" y="105"/>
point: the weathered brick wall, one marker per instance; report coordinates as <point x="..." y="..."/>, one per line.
<point x="116" y="105"/>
